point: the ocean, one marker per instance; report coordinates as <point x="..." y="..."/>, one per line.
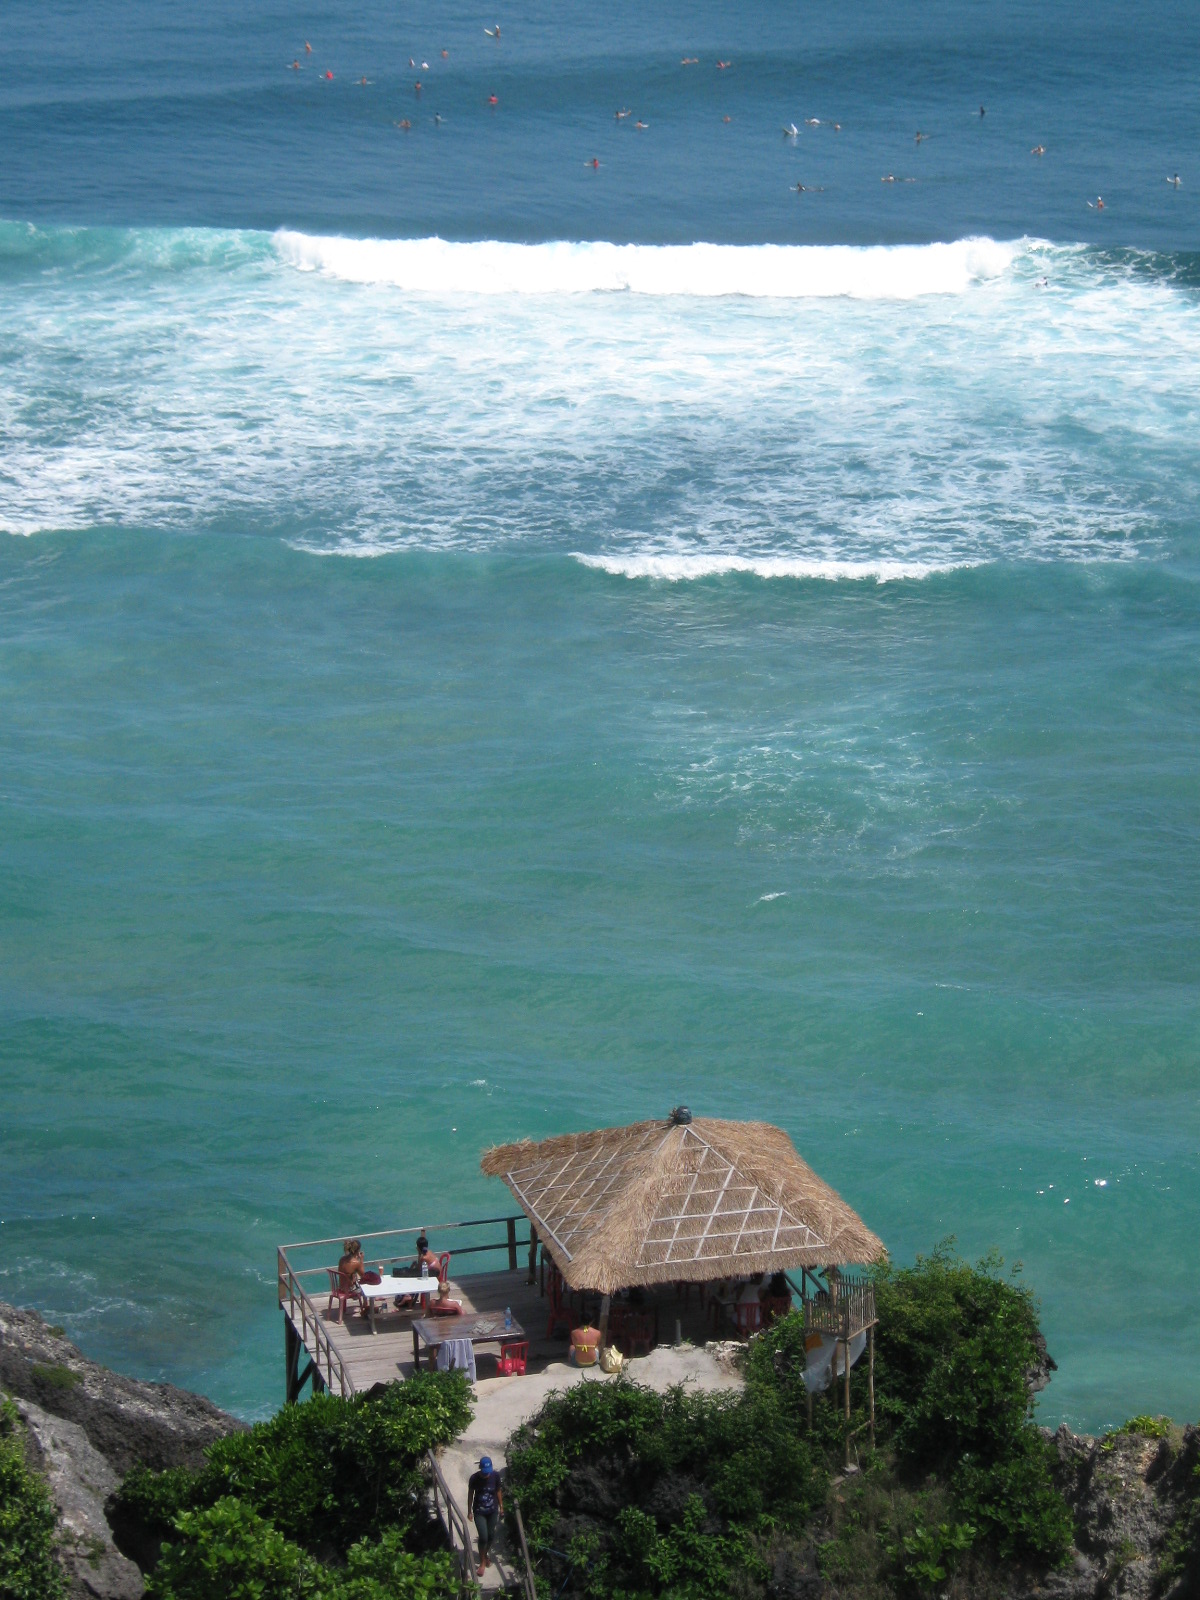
<point x="492" y="644"/>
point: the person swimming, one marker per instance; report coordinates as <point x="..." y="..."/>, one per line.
<point x="1175" y="181"/>
<point x="307" y="48"/>
<point x="791" y="131"/>
<point x="1038" y="150"/>
<point x="493" y="33"/>
<point x="493" y="100"/>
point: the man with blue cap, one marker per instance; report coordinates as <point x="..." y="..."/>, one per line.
<point x="485" y="1502"/>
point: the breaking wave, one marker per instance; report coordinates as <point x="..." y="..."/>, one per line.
<point x="766" y="271"/>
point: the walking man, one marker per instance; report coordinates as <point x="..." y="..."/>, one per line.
<point x="485" y="1502"/>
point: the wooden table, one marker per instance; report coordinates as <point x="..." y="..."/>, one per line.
<point x="480" y="1327"/>
<point x="394" y="1287"/>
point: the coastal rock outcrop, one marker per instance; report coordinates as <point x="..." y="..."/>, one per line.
<point x="129" y="1422"/>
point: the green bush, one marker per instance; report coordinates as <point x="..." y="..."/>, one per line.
<point x="664" y="1494"/>
<point x="228" y="1550"/>
<point x="954" y="1350"/>
<point x="28" y="1569"/>
<point x="324" y="1474"/>
<point x="276" y="1510"/>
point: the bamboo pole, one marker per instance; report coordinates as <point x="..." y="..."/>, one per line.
<point x="533" y="1244"/>
<point x="871" y="1377"/>
<point x="605" y="1303"/>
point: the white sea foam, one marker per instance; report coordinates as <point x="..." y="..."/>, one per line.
<point x="683" y="568"/>
<point x="658" y="437"/>
<point x="785" y="272"/>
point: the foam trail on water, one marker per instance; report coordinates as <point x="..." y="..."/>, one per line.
<point x="785" y="272"/>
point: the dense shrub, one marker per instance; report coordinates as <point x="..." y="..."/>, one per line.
<point x="228" y="1550"/>
<point x="278" y="1509"/>
<point x="676" y="1494"/>
<point x="28" y="1570"/>
<point x="955" y="1348"/>
<point x="325" y="1474"/>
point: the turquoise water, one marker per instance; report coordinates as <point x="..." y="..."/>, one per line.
<point x="455" y="691"/>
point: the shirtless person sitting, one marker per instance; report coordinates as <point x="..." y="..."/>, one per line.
<point x="442" y="1306"/>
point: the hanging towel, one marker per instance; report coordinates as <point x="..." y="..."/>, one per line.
<point x="456" y="1353"/>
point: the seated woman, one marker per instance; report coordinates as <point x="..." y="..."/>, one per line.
<point x="425" y="1257"/>
<point x="352" y="1270"/>
<point x="352" y="1266"/>
<point x="585" y="1346"/>
<point x="442" y="1306"/>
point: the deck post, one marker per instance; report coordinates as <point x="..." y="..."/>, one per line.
<point x="512" y="1244"/>
<point x="291" y="1361"/>
<point x="318" y="1383"/>
<point x="605" y="1302"/>
<point x="533" y="1244"/>
<point x="871" y="1377"/>
<point x="847" y="1408"/>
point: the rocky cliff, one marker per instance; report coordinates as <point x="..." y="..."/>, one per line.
<point x="85" y="1427"/>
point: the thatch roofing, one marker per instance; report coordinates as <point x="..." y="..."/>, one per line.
<point x="663" y="1202"/>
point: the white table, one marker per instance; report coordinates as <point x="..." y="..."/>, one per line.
<point x="391" y="1287"/>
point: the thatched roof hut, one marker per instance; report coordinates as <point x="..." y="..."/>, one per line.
<point x="679" y="1200"/>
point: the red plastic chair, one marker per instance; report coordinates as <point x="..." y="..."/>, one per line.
<point x="513" y="1358"/>
<point x="631" y="1331"/>
<point x="339" y="1293"/>
<point x="749" y="1315"/>
<point x="444" y="1267"/>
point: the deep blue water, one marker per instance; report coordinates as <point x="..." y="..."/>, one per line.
<point x="461" y="677"/>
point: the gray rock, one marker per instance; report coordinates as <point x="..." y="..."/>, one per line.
<point x="81" y="1480"/>
<point x="128" y="1422"/>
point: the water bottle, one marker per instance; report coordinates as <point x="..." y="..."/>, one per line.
<point x="424" y="1269"/>
<point x="507" y="1318"/>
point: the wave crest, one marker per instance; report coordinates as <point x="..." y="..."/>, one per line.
<point x="787" y="272"/>
<point x="681" y="568"/>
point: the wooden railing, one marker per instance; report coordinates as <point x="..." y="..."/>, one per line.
<point x="528" y="1585"/>
<point x="306" y="1315"/>
<point x="507" y="1244"/>
<point x="848" y="1310"/>
<point x="454" y="1521"/>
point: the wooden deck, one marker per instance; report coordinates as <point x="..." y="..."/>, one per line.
<point x="383" y="1357"/>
